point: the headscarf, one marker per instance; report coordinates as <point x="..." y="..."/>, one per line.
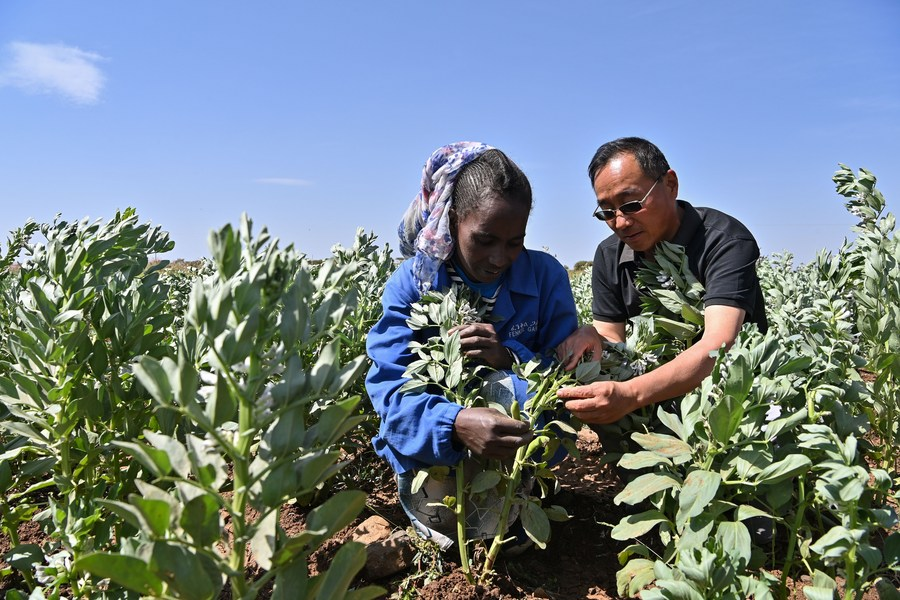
<point x="425" y="228"/>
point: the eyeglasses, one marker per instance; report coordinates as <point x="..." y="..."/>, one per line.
<point x="608" y="214"/>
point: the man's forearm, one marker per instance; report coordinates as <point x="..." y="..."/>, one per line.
<point x="677" y="377"/>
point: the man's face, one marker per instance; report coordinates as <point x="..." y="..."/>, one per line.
<point x="621" y="181"/>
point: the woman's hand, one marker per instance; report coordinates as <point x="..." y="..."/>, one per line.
<point x="480" y="341"/>
<point x="489" y="433"/>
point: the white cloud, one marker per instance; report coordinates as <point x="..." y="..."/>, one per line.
<point x="53" y="69"/>
<point x="284" y="181"/>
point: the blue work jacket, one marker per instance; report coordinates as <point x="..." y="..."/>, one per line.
<point x="537" y="312"/>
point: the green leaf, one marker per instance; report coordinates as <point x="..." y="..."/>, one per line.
<point x="725" y="418"/>
<point x="796" y="365"/>
<point x="645" y="486"/>
<point x="291" y="581"/>
<point x="887" y="590"/>
<point x="734" y="539"/>
<point x="288" y="430"/>
<point x="485" y="481"/>
<point x="746" y="511"/>
<point x="835" y="544"/>
<point x="343" y="568"/>
<point x="23" y="556"/>
<point x="419" y="480"/>
<point x="556" y="513"/>
<point x="264" y="539"/>
<point x="818" y="593"/>
<point x="177" y="453"/>
<point x="634" y="526"/>
<point x="221" y="405"/>
<point x="316" y="468"/>
<point x="333" y="423"/>
<point x="152" y="374"/>
<point x="536" y="523"/>
<point x="672" y="422"/>
<point x="128" y="571"/>
<point x="184" y="571"/>
<point x="337" y="512"/>
<point x="200" y="519"/>
<point x="697" y="491"/>
<point x="679" y="590"/>
<point x="156" y="461"/>
<point x="642" y="460"/>
<point x="692" y="315"/>
<point x="130" y="513"/>
<point x="739" y="379"/>
<point x="680" y="331"/>
<point x="156" y="513"/>
<point x="366" y="593"/>
<point x="664" y="445"/>
<point x="785" y="424"/>
<point x="892" y="549"/>
<point x="792" y="466"/>
<point x="634" y="577"/>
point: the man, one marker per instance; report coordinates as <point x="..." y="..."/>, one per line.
<point x="637" y="197"/>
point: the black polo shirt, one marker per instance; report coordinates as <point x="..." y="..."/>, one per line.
<point x="721" y="253"/>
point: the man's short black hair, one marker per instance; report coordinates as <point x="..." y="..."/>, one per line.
<point x="651" y="160"/>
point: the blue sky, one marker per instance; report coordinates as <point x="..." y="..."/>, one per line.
<point x="316" y="118"/>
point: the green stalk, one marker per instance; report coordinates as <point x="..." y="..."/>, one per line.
<point x="241" y="473"/>
<point x="511" y="485"/>
<point x="460" y="510"/>
<point x="850" y="562"/>
<point x="792" y="534"/>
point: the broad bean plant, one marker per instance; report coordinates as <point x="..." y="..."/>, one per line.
<point x="783" y="461"/>
<point x="155" y="426"/>
<point x="441" y="366"/>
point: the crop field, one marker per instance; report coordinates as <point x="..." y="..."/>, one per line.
<point x="201" y="430"/>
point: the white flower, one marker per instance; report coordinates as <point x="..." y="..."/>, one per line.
<point x="665" y="281"/>
<point x="61" y="562"/>
<point x="773" y="413"/>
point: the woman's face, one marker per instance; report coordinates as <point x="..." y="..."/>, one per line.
<point x="490" y="238"/>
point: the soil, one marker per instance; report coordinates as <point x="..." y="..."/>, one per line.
<point x="579" y="561"/>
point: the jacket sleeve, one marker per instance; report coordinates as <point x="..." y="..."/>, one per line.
<point x="416" y="428"/>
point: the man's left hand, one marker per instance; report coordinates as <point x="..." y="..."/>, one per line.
<point x="600" y="402"/>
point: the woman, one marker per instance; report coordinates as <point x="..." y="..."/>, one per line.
<point x="467" y="224"/>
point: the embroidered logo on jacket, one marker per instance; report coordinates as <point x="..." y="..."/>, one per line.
<point x="519" y="328"/>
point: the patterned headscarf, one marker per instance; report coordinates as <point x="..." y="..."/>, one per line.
<point x="425" y="228"/>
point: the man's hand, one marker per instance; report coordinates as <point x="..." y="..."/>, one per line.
<point x="600" y="403"/>
<point x="480" y="341"/>
<point x="584" y="340"/>
<point x="489" y="433"/>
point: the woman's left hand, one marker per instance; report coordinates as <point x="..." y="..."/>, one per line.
<point x="480" y="341"/>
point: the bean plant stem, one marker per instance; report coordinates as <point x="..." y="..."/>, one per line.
<point x="460" y="509"/>
<point x="241" y="480"/>
<point x="794" y="532"/>
<point x="511" y="485"/>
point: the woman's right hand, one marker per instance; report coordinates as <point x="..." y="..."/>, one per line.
<point x="489" y="433"/>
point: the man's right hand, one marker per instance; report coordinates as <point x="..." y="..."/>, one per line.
<point x="489" y="433"/>
<point x="584" y="340"/>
